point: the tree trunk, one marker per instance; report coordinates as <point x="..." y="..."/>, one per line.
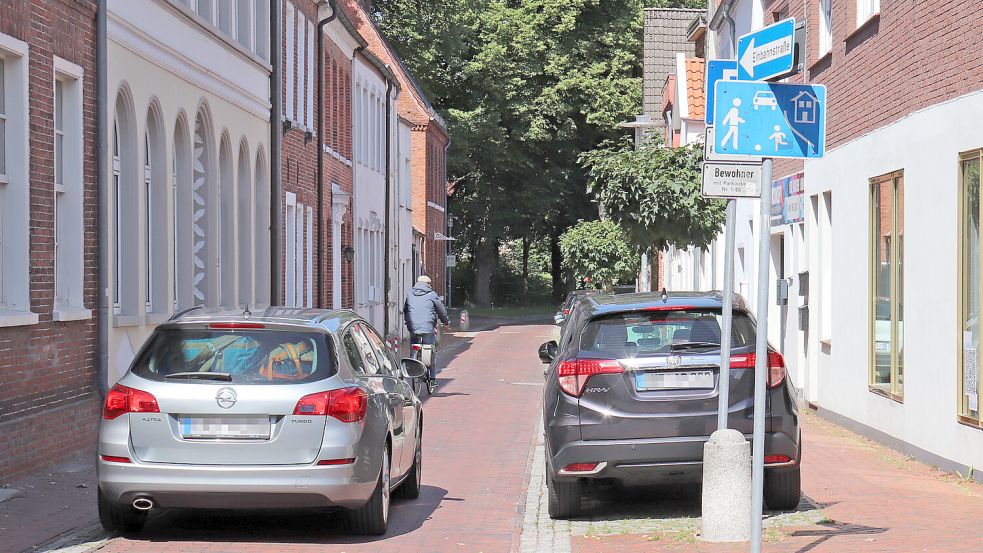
<point x="483" y="267"/>
<point x="657" y="283"/>
<point x="525" y="271"/>
<point x="556" y="269"/>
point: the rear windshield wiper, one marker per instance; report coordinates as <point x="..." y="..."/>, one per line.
<point x="224" y="377"/>
<point x="693" y="345"/>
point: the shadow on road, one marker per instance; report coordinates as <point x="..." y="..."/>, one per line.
<point x="285" y="526"/>
<point x="832" y="529"/>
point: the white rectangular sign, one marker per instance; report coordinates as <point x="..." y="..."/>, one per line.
<point x="731" y="180"/>
<point x="710" y="154"/>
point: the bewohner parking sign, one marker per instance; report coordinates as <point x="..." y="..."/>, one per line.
<point x="731" y="180"/>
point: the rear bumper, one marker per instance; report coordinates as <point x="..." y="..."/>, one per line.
<point x="652" y="459"/>
<point x="197" y="486"/>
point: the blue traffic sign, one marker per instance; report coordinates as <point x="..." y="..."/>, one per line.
<point x="756" y="118"/>
<point x="717" y="70"/>
<point x="767" y="53"/>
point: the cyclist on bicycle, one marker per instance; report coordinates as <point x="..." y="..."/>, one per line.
<point x="421" y="311"/>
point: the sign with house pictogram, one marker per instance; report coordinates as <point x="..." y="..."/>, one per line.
<point x="755" y="118"/>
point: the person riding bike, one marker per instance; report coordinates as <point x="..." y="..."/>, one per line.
<point x="421" y="312"/>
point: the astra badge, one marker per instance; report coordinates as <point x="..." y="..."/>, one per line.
<point x="226" y="398"/>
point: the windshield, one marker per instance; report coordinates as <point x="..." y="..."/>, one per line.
<point x="655" y="332"/>
<point x="237" y="356"/>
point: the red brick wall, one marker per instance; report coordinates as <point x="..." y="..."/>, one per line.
<point x="51" y="365"/>
<point x="915" y="55"/>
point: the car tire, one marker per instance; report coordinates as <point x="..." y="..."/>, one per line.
<point x="783" y="488"/>
<point x="373" y="518"/>
<point x="564" y="497"/>
<point x="117" y="517"/>
<point x="410" y="488"/>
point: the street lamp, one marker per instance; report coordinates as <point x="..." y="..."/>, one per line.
<point x="349" y="253"/>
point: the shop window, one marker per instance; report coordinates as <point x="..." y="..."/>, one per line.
<point x="887" y="285"/>
<point x="969" y="276"/>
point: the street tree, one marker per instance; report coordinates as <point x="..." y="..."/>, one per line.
<point x="598" y="253"/>
<point x="653" y="192"/>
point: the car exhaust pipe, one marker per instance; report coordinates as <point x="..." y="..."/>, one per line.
<point x="143" y="503"/>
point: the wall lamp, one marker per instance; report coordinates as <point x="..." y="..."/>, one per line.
<point x="349" y="253"/>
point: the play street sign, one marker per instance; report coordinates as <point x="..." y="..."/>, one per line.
<point x="717" y="70"/>
<point x="710" y="153"/>
<point x="770" y="119"/>
<point x="768" y="52"/>
<point x="731" y="180"/>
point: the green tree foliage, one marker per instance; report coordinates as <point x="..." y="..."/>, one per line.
<point x="598" y="252"/>
<point x="527" y="86"/>
<point x="654" y="193"/>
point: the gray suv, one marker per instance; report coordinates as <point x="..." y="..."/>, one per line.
<point x="285" y="408"/>
<point x="631" y="396"/>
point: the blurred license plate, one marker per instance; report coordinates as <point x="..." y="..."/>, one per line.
<point x="232" y="428"/>
<point x="674" y="380"/>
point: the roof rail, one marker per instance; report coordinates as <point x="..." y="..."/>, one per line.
<point x="183" y="312"/>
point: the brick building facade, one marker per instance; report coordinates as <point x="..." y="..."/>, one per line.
<point x="48" y="201"/>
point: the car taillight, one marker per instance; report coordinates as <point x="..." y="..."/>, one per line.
<point x="574" y="374"/>
<point x="416" y="347"/>
<point x="236" y="326"/>
<point x="776" y="366"/>
<point x="114" y="459"/>
<point x="777" y="459"/>
<point x="344" y="404"/>
<point x="334" y="462"/>
<point x="121" y="400"/>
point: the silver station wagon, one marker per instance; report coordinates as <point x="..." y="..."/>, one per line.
<point x="286" y="408"/>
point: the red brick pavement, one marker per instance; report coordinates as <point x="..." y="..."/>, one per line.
<point x="479" y="431"/>
<point x="876" y="500"/>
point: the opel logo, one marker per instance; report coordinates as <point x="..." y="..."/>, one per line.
<point x="226" y="398"/>
<point x="674" y="360"/>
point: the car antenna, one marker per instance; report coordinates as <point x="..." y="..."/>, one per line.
<point x="665" y="295"/>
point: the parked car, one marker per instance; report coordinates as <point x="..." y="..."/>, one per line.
<point x="288" y="408"/>
<point x="568" y="303"/>
<point x="631" y="396"/>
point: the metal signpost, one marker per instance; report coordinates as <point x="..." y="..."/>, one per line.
<point x="753" y="120"/>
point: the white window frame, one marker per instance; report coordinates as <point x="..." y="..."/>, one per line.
<point x="298" y="62"/>
<point x="291" y="40"/>
<point x="290" y="253"/>
<point x="69" y="225"/>
<point x="148" y="223"/>
<point x="866" y="10"/>
<point x="310" y="257"/>
<point x="118" y="220"/>
<point x="244" y="11"/>
<point x="298" y="300"/>
<point x="309" y="97"/>
<point x="825" y="27"/>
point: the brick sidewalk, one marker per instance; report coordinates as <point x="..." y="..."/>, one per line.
<point x="873" y="500"/>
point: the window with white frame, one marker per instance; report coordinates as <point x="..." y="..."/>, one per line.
<point x="825" y="26"/>
<point x="261" y="19"/>
<point x="310" y="258"/>
<point x="309" y="97"/>
<point x="206" y="9"/>
<point x="118" y="219"/>
<point x="867" y="9"/>
<point x="148" y="222"/>
<point x="291" y="43"/>
<point x="244" y="24"/>
<point x="3" y="172"/>
<point x="226" y="17"/>
<point x="290" y="255"/>
<point x="68" y="216"/>
<point x="300" y="116"/>
<point x="298" y="299"/>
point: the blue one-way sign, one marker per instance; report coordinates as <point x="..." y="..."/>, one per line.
<point x="717" y="70"/>
<point x="770" y="119"/>
<point x="768" y="52"/>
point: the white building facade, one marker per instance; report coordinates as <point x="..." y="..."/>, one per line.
<point x="189" y="152"/>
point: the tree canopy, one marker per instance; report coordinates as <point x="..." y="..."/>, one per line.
<point x="598" y="253"/>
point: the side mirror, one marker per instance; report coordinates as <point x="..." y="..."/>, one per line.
<point x="413" y="368"/>
<point x="548" y="351"/>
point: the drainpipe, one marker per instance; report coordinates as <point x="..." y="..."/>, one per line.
<point x="102" y="184"/>
<point x="276" y="123"/>
<point x="450" y="244"/>
<point x="319" y="117"/>
<point x="721" y="14"/>
<point x="387" y="256"/>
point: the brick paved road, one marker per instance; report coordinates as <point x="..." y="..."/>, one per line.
<point x="479" y="430"/>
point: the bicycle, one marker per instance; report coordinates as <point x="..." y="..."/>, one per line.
<point x="424" y="353"/>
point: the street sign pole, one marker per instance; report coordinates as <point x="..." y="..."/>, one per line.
<point x="761" y="359"/>
<point x="723" y="397"/>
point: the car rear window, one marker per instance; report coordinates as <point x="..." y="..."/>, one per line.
<point x="654" y="332"/>
<point x="246" y="356"/>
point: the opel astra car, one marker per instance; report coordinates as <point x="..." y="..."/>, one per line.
<point x="287" y="408"/>
<point x="631" y="396"/>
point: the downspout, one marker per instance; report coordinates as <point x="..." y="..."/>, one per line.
<point x="387" y="256"/>
<point x="450" y="244"/>
<point x="721" y="14"/>
<point x="276" y="120"/>
<point x="102" y="150"/>
<point x="319" y="106"/>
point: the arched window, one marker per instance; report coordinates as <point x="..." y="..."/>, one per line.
<point x="244" y="186"/>
<point x="262" y="230"/>
<point x="204" y="259"/>
<point x="156" y="224"/>
<point x="117" y="221"/>
<point x="183" y="229"/>
<point x="127" y="208"/>
<point x="227" y="221"/>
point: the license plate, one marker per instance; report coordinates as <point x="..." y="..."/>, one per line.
<point x="231" y="428"/>
<point x="674" y="380"/>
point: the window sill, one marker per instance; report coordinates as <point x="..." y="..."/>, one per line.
<point x="67" y="313"/>
<point x="887" y="395"/>
<point x="121" y="321"/>
<point x="969" y="421"/>
<point x="17" y="318"/>
<point x="823" y="58"/>
<point x="876" y="16"/>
